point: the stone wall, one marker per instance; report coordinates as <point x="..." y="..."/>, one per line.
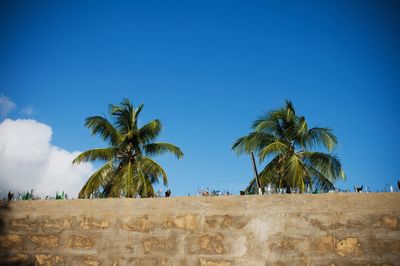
<point x="327" y="229"/>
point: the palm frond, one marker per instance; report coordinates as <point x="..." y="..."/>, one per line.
<point x="149" y="189"/>
<point x="328" y="164"/>
<point x="153" y="169"/>
<point x="268" y="175"/>
<point x="161" y="148"/>
<point x="301" y="129"/>
<point x="105" y="154"/>
<point x="145" y="189"/>
<point x="271" y="123"/>
<point x="290" y="112"/>
<point x="121" y="177"/>
<point x="252" y="187"/>
<point x="275" y="148"/>
<point x="102" y="127"/>
<point x="320" y="136"/>
<point x="318" y="179"/>
<point x="253" y="142"/>
<point x="239" y="146"/>
<point x="96" y="180"/>
<point x="277" y="122"/>
<point x="150" y="131"/>
<point x="137" y="113"/>
<point x="123" y="114"/>
<point x="130" y="184"/>
<point x="295" y="172"/>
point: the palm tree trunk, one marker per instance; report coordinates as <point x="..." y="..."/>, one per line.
<point x="256" y="174"/>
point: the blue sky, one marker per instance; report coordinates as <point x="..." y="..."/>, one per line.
<point x="207" y="69"/>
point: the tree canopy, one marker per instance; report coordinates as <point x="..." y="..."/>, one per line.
<point x="284" y="140"/>
<point x="128" y="168"/>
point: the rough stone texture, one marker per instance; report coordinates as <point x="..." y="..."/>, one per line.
<point x="347" y="246"/>
<point x="92" y="223"/>
<point x="204" y="262"/>
<point x="139" y="224"/>
<point x="327" y="229"/>
<point x="81" y="241"/>
<point x="43" y="241"/>
<point x="7" y="241"/>
<point x="49" y="260"/>
<point x="185" y="222"/>
<point x="156" y="245"/>
<point x="207" y="244"/>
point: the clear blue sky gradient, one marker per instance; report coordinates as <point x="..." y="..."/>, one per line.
<point x="207" y="69"/>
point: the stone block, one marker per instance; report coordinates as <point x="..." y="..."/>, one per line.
<point x="81" y="241"/>
<point x="45" y="241"/>
<point x="139" y="224"/>
<point x="225" y="222"/>
<point x="395" y="247"/>
<point x="381" y="247"/>
<point x="89" y="222"/>
<point x="348" y="246"/>
<point x="64" y="222"/>
<point x="285" y="261"/>
<point x="85" y="260"/>
<point x="339" y="261"/>
<point x="324" y="221"/>
<point x="43" y="223"/>
<point x="49" y="260"/>
<point x="121" y="243"/>
<point x="184" y="222"/>
<point x="294" y="223"/>
<point x="160" y="245"/>
<point x="10" y="240"/>
<point x="323" y="245"/>
<point x="211" y="262"/>
<point x="144" y="261"/>
<point x="207" y="244"/>
<point x="286" y="245"/>
<point x="283" y="243"/>
<point x="20" y="223"/>
<point x="389" y="221"/>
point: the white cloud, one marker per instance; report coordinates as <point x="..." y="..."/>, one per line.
<point x="27" y="110"/>
<point x="29" y="160"/>
<point x="6" y="106"/>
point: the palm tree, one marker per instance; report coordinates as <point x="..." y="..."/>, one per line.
<point x="284" y="139"/>
<point x="128" y="168"/>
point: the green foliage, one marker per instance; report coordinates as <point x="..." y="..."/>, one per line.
<point x="27" y="196"/>
<point x="283" y="139"/>
<point x="128" y="168"/>
<point x="60" y="196"/>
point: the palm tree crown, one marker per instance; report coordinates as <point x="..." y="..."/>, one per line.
<point x="128" y="168"/>
<point x="283" y="138"/>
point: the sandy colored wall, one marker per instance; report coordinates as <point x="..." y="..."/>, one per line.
<point x="328" y="229"/>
